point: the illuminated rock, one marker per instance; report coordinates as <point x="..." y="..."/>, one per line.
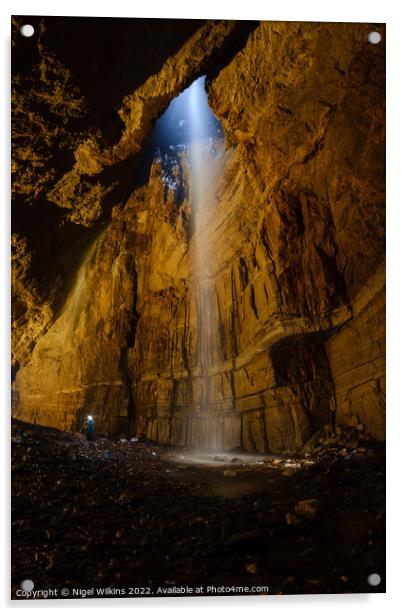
<point x="279" y="330"/>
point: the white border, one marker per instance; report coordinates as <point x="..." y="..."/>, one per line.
<point x="368" y="11"/>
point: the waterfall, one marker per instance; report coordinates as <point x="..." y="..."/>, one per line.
<point x="205" y="157"/>
<point x="77" y="299"/>
<point x="188" y="135"/>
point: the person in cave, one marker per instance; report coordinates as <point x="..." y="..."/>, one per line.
<point x="89" y="425"/>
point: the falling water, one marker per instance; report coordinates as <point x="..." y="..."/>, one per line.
<point x="205" y="156"/>
<point x="189" y="128"/>
<point x="202" y="174"/>
<point x="78" y="298"/>
<point x="189" y="131"/>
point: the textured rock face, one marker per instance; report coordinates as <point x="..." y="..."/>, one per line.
<point x="76" y="142"/>
<point x="282" y="329"/>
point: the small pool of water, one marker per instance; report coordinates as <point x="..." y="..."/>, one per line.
<point x="216" y="459"/>
<point x="227" y="475"/>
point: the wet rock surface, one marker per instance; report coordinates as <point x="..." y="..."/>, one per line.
<point x="125" y="513"/>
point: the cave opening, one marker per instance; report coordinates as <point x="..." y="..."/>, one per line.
<point x="187" y="120"/>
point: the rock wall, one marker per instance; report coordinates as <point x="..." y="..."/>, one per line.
<point x="77" y="143"/>
<point x="282" y="330"/>
<point x="357" y="361"/>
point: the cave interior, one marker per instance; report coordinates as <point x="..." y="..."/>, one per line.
<point x="198" y="263"/>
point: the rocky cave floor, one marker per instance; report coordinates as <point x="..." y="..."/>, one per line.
<point x="123" y="514"/>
